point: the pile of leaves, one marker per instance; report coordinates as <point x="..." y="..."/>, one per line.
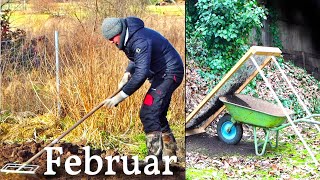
<point x="196" y="86"/>
<point x="306" y="86"/>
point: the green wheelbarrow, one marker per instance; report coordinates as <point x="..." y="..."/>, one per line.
<point x="258" y="113"/>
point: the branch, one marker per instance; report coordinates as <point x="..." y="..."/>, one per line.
<point x="35" y="91"/>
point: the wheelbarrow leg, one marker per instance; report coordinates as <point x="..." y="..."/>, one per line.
<point x="277" y="140"/>
<point x="256" y="145"/>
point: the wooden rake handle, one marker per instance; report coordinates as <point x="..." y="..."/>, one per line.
<point x="69" y="130"/>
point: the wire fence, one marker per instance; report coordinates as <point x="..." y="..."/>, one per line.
<point x="20" y="60"/>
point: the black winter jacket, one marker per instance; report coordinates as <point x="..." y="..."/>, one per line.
<point x="150" y="54"/>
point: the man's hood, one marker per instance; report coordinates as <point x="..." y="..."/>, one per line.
<point x="134" y="24"/>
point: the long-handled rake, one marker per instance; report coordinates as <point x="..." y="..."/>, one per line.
<point x="25" y="168"/>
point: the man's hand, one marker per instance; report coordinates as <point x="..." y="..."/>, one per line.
<point x="112" y="102"/>
<point x="124" y="79"/>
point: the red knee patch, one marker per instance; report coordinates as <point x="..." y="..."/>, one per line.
<point x="148" y="100"/>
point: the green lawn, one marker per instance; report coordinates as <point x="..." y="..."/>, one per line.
<point x="172" y="10"/>
<point x="19" y="19"/>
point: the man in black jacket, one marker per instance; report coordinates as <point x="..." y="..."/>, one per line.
<point x="151" y="57"/>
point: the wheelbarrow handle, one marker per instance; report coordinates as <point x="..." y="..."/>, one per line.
<point x="307" y="119"/>
<point x="70" y="129"/>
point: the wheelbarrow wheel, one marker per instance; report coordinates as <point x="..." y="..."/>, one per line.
<point x="229" y="132"/>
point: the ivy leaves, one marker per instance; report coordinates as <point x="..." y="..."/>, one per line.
<point x="222" y="30"/>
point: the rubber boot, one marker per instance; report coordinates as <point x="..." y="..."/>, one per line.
<point x="169" y="144"/>
<point x="154" y="144"/>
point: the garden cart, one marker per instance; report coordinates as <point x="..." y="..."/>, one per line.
<point x="245" y="109"/>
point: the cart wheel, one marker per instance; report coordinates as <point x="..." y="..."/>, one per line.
<point x="228" y="132"/>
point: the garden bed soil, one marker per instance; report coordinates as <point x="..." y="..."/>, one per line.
<point x="19" y="153"/>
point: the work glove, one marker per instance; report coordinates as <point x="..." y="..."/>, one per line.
<point x="115" y="100"/>
<point x="124" y="79"/>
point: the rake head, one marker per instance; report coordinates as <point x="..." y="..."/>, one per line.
<point x="19" y="168"/>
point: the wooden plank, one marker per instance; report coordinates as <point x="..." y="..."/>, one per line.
<point x="219" y="85"/>
<point x="195" y="131"/>
<point x="266" y="51"/>
<point x="217" y="113"/>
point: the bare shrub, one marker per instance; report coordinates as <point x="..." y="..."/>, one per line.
<point x="44" y="6"/>
<point x="107" y="8"/>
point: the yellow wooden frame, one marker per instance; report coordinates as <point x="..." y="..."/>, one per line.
<point x="254" y="50"/>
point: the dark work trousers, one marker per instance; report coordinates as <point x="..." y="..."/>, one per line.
<point x="156" y="102"/>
